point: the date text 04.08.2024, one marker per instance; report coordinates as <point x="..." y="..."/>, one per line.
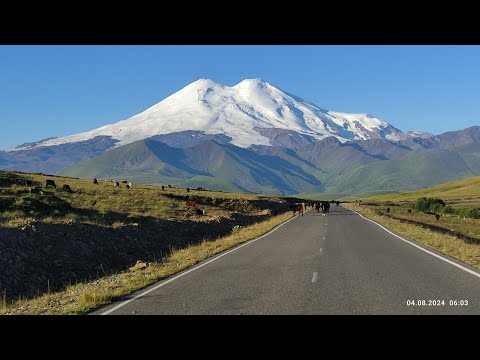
<point x="437" y="302"/>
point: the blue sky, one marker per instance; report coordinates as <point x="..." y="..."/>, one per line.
<point x="48" y="91"/>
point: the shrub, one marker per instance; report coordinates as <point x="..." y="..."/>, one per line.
<point x="429" y="204"/>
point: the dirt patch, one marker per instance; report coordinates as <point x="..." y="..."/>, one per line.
<point x="38" y="257"/>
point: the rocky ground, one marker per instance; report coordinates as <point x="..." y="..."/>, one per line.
<point x="38" y="257"/>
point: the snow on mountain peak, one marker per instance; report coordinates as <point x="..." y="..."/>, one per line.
<point x="239" y="112"/>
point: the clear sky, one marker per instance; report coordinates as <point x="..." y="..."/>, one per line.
<point x="48" y="91"/>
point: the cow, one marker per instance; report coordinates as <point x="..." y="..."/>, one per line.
<point x="95" y="181"/>
<point x="116" y="184"/>
<point x="188" y="190"/>
<point x="317" y="207"/>
<point x="199" y="212"/>
<point x="388" y="209"/>
<point x="163" y="187"/>
<point x="409" y="211"/>
<point x="49" y="182"/>
<point x="325" y="205"/>
<point x="302" y="208"/>
<point x="129" y="185"/>
<point x="437" y="216"/>
<point x="67" y="188"/>
<point x="293" y="207"/>
<point x="169" y="186"/>
<point x="124" y="182"/>
<point x="200" y="189"/>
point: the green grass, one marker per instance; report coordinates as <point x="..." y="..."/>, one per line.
<point x="468" y="188"/>
<point x="83" y="298"/>
<point x="104" y="205"/>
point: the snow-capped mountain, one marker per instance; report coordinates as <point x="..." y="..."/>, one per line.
<point x="242" y="112"/>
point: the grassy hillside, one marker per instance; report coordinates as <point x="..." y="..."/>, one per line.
<point x="414" y="170"/>
<point x="56" y="239"/>
<point x="464" y="189"/>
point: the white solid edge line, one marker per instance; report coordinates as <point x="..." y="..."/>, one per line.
<point x="193" y="269"/>
<point x="421" y="248"/>
<point x="314" y="278"/>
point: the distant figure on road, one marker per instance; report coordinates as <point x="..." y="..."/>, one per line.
<point x="302" y="208"/>
<point x="325" y="205"/>
<point x="317" y="207"/>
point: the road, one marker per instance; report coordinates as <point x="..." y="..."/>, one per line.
<point x="340" y="263"/>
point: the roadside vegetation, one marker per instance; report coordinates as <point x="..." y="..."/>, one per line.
<point x="74" y="249"/>
<point x="82" y="298"/>
<point x="445" y="217"/>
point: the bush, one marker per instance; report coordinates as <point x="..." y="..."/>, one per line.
<point x="429" y="204"/>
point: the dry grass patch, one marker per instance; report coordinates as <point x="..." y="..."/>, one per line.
<point x="447" y="244"/>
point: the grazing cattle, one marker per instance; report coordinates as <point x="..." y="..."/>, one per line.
<point x="188" y="190"/>
<point x="388" y="210"/>
<point x="127" y="186"/>
<point x="295" y="207"/>
<point x="95" y="181"/>
<point x="437" y="216"/>
<point x="317" y="207"/>
<point x="409" y="211"/>
<point x="163" y="187"/>
<point x="116" y="184"/>
<point x="50" y="183"/>
<point x="169" y="186"/>
<point x="200" y="189"/>
<point x="124" y="182"/>
<point x="199" y="212"/>
<point x="67" y="188"/>
<point x="325" y="205"/>
<point x="36" y="190"/>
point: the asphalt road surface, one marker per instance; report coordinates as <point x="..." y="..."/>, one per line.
<point x="340" y="263"/>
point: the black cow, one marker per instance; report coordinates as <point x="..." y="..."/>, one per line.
<point x="95" y="181"/>
<point x="67" y="188"/>
<point x="409" y="211"/>
<point x="199" y="212"/>
<point x="50" y="183"/>
<point x="188" y="190"/>
<point x="163" y="187"/>
<point x="325" y="205"/>
<point x="437" y="216"/>
<point x="124" y="182"/>
<point x="116" y="184"/>
<point x="128" y="186"/>
<point x="388" y="210"/>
